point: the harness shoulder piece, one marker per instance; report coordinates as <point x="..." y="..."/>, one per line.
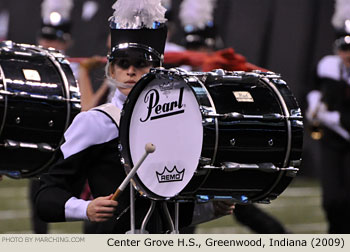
<point x="111" y="111"/>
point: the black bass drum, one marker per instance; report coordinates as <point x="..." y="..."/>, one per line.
<point x="39" y="97"/>
<point x="218" y="135"/>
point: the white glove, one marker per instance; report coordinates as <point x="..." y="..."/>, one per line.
<point x="331" y="119"/>
<point x="326" y="117"/>
<point x="313" y="100"/>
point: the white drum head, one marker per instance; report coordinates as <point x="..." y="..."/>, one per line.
<point x="166" y="114"/>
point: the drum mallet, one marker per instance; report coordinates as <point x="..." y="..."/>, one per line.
<point x="149" y="148"/>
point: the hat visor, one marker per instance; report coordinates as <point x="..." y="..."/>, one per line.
<point x="343" y="43"/>
<point x="135" y="51"/>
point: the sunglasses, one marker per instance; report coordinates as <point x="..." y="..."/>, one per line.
<point x="137" y="63"/>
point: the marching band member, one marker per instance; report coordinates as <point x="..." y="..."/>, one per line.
<point x="55" y="32"/>
<point x="90" y="151"/>
<point x="328" y="106"/>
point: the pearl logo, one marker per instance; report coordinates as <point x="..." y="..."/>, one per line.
<point x="157" y="110"/>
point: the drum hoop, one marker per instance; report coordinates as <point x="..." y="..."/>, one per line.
<point x="287" y="115"/>
<point x="5" y="100"/>
<point x="216" y="145"/>
<point x="289" y="139"/>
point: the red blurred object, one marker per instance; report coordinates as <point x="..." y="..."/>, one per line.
<point x="226" y="59"/>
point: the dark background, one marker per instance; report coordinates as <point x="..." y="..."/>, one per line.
<point x="284" y="36"/>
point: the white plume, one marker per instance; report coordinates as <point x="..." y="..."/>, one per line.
<point x="197" y="13"/>
<point x="135" y="14"/>
<point x="341" y="14"/>
<point x="63" y="7"/>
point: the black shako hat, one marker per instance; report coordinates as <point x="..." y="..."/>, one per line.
<point x="138" y="25"/>
<point x="150" y="42"/>
<point x="56" y="32"/>
<point x="197" y="19"/>
<point x="56" y="23"/>
<point x="341" y="24"/>
<point x="342" y="41"/>
<point x="195" y="38"/>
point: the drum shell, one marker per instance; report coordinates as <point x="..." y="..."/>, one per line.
<point x="252" y="140"/>
<point x="34" y="113"/>
<point x="251" y="137"/>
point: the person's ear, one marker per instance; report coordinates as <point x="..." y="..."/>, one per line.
<point x="111" y="68"/>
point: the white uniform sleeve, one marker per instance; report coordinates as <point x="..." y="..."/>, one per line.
<point x="87" y="129"/>
<point x="75" y="209"/>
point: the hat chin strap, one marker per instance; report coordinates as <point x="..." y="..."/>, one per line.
<point x="114" y="83"/>
<point x="111" y="82"/>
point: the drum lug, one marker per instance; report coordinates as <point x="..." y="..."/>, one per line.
<point x="44" y="147"/>
<point x="295" y="114"/>
<point x="220" y="72"/>
<point x="50" y="123"/>
<point x="18" y="120"/>
<point x="76" y="106"/>
<point x="204" y="161"/>
<point x="270" y="142"/>
<point x="295" y="163"/>
<point x="264" y="167"/>
<point x="208" y="121"/>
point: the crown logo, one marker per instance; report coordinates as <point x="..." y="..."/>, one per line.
<point x="170" y="176"/>
<point x="166" y="86"/>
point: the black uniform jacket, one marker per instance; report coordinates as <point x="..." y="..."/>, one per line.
<point x="90" y="153"/>
<point x="336" y="94"/>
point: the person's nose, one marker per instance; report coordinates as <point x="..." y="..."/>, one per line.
<point x="131" y="71"/>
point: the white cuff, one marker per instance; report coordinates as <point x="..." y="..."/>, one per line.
<point x="75" y="209"/>
<point x="329" y="117"/>
<point x="314" y="97"/>
<point x="313" y="100"/>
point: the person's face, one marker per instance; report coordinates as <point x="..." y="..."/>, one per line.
<point x="345" y="56"/>
<point x="129" y="71"/>
<point x="57" y="44"/>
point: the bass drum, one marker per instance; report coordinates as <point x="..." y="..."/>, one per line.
<point x="39" y="97"/>
<point x="234" y="135"/>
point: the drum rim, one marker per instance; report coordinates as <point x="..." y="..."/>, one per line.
<point x="212" y="104"/>
<point x="5" y="100"/>
<point x="266" y="81"/>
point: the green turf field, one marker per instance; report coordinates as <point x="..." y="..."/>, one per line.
<point x="298" y="208"/>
